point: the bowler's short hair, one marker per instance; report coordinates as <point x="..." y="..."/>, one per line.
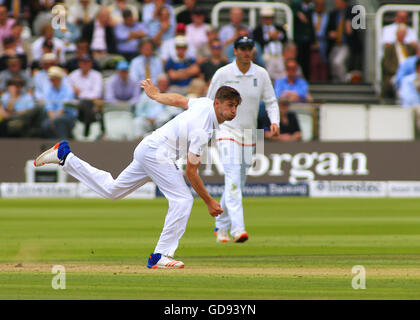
<point x="228" y="93"/>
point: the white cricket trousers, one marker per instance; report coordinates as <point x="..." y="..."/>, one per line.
<point x="144" y="167"/>
<point x="236" y="160"/>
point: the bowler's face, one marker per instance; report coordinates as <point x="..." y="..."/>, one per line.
<point x="227" y="109"/>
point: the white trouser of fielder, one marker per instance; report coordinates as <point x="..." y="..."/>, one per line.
<point x="142" y="169"/>
<point x="236" y="161"/>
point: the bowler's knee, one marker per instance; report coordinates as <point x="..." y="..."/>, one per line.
<point x="188" y="201"/>
<point x="114" y="197"/>
<point x="113" y="193"/>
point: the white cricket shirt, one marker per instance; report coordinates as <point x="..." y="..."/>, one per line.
<point x="253" y="86"/>
<point x="187" y="132"/>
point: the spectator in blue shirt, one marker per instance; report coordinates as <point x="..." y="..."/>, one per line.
<point x="291" y="87"/>
<point x="146" y="65"/>
<point x="182" y="69"/>
<point x="160" y="28"/>
<point x="410" y="88"/>
<point x="18" y="115"/>
<point x="16" y="97"/>
<point x="60" y="119"/>
<point x="121" y="88"/>
<point x="128" y="35"/>
<point x="407" y="67"/>
<point x="14" y="69"/>
<point x="41" y="80"/>
<point x="150" y="10"/>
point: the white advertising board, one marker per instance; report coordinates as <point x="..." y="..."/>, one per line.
<point x="365" y="189"/>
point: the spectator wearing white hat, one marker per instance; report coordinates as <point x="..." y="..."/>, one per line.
<point x="168" y="49"/>
<point x="60" y="119"/>
<point x="41" y="79"/>
<point x="269" y="35"/>
<point x="181" y="70"/>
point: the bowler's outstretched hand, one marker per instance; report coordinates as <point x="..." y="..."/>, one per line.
<point x="150" y="89"/>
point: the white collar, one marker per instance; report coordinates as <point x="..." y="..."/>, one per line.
<point x="250" y="72"/>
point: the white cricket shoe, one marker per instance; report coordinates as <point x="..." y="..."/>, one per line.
<point x="56" y="154"/>
<point x="240" y="236"/>
<point x="222" y="236"/>
<point x="160" y="261"/>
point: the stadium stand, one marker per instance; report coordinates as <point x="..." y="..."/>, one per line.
<point x="361" y="86"/>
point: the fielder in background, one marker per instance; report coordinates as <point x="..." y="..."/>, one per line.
<point x="235" y="139"/>
<point x="154" y="160"/>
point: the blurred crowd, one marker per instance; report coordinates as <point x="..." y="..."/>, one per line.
<point x="55" y="71"/>
<point x="400" y="71"/>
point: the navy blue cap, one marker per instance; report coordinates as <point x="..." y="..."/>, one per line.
<point x="244" y="41"/>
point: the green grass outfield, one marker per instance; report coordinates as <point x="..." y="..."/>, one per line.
<point x="299" y="248"/>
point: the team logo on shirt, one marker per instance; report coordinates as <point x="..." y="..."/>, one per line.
<point x="255" y="82"/>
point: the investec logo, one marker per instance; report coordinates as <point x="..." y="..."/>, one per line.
<point x="302" y="166"/>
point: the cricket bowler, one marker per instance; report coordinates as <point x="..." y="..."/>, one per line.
<point x="154" y="160"/>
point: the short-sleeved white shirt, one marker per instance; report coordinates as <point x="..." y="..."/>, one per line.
<point x="190" y="131"/>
